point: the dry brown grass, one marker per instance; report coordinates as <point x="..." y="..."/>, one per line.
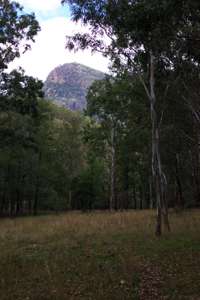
<point x="99" y="256"/>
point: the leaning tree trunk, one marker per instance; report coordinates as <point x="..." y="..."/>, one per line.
<point x="158" y="174"/>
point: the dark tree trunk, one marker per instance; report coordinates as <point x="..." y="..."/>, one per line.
<point x="134" y="196"/>
<point x="35" y="203"/>
<point x="151" y="204"/>
<point x="112" y="170"/>
<point x="37" y="187"/>
<point x="179" y="190"/>
<point x="3" y="202"/>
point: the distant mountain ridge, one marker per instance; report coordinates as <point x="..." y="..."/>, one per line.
<point x="67" y="85"/>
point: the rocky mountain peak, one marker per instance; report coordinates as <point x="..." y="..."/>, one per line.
<point x="67" y="84"/>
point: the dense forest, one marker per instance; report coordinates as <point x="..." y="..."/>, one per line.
<point x="137" y="143"/>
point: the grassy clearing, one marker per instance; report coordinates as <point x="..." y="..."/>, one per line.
<point x="99" y="256"/>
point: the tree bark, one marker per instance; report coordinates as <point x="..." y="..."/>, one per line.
<point x="158" y="174"/>
<point x="179" y="190"/>
<point x="197" y="169"/>
<point x="112" y="171"/>
<point x="151" y="204"/>
<point x="37" y="187"/>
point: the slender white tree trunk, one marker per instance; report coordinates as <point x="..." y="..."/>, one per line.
<point x="158" y="174"/>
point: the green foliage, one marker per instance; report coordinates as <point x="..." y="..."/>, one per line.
<point x="39" y="158"/>
<point x="15" y="27"/>
<point x="89" y="187"/>
<point x="55" y="159"/>
<point x="165" y="32"/>
<point x="20" y="93"/>
<point x="118" y="103"/>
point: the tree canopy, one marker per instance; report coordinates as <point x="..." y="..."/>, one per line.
<point x="17" y="30"/>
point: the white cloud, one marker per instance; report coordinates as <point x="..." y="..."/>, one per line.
<point x="41" y="5"/>
<point x="49" y="50"/>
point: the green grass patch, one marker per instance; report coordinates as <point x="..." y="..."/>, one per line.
<point x="99" y="256"/>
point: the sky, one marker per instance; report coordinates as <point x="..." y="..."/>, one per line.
<point x="49" y="50"/>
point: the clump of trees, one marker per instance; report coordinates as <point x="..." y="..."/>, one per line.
<point x="158" y="42"/>
<point x="137" y="143"/>
<point x="40" y="147"/>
